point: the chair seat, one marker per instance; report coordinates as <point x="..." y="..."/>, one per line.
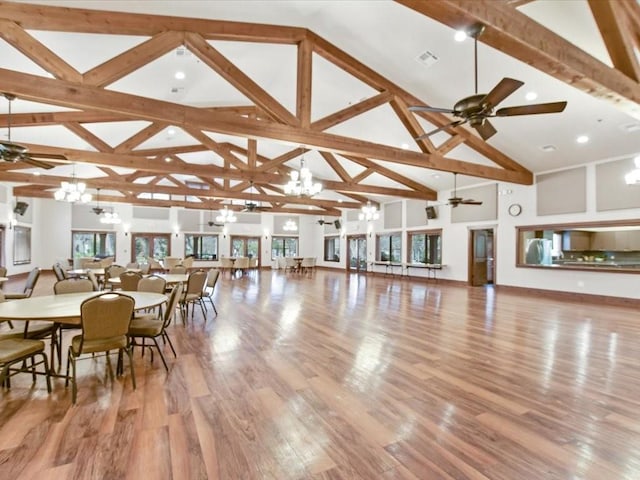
<point x="191" y="297"/>
<point x="147" y="327"/>
<point x="101" y="345"/>
<point x="40" y="330"/>
<point x="15" y="349"/>
<point x="15" y="296"/>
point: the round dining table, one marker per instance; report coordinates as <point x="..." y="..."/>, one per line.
<point x="65" y="308"/>
<point x="170" y="278"/>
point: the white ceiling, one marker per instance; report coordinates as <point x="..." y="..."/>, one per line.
<point x="383" y="35"/>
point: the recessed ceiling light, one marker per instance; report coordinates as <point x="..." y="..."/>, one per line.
<point x="582" y="139"/>
<point x="167" y="159"/>
<point x="179" y="75"/>
<point x="435" y="175"/>
<point x="460" y="36"/>
<point x="340" y="200"/>
<point x="405" y="146"/>
<point x="531" y="96"/>
<point x="171" y="131"/>
<point x="37" y="174"/>
<point x="548" y="148"/>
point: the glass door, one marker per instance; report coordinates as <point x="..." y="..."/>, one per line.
<point x="245" y="247"/>
<point x="147" y="245"/>
<point x="357" y="253"/>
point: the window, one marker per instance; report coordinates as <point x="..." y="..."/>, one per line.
<point x="425" y="247"/>
<point x="201" y="247"/>
<point x="389" y="248"/>
<point x="146" y="245"/>
<point x="332" y="249"/>
<point x="21" y="245"/>
<point x="284" y="247"/>
<point x="93" y="244"/>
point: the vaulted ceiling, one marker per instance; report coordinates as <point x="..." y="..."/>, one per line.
<point x="99" y="88"/>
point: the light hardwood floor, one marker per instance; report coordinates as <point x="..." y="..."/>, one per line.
<point x="350" y="377"/>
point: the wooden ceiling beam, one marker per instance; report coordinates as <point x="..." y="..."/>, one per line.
<point x="396" y="177"/>
<point x="281" y="159"/>
<point x="236" y="77"/>
<point x="88" y="137"/>
<point x="134" y="58"/>
<point x="336" y="166"/>
<point x="303" y="83"/>
<point x="37" y="52"/>
<point x="349" y="64"/>
<point x="40" y="17"/>
<point x="517" y="35"/>
<point x="351" y="111"/>
<point x="411" y="124"/>
<point x="613" y="23"/>
<point x="215" y="147"/>
<point x="139" y="138"/>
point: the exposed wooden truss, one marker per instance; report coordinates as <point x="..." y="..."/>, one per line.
<point x="267" y="119"/>
<point x="517" y="35"/>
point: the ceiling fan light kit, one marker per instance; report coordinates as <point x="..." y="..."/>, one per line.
<point x="476" y="109"/>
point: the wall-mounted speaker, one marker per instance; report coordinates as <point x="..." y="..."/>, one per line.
<point x="337" y="224"/>
<point x="20" y="208"/>
<point x="431" y="213"/>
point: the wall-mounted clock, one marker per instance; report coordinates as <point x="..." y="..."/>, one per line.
<point x="515" y="209"/>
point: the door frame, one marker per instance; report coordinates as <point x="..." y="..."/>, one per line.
<point x="471" y="253"/>
<point x="356" y="236"/>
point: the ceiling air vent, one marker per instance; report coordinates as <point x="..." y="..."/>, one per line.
<point x="427" y="58"/>
<point x="183" y="51"/>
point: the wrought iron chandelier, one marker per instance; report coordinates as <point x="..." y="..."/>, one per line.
<point x="226" y="216"/>
<point x="301" y="183"/>
<point x="72" y="191"/>
<point x="369" y="212"/>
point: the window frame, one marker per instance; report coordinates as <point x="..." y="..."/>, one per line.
<point x="153" y="236"/>
<point x="283" y="239"/>
<point x="26" y="258"/>
<point x="335" y="239"/>
<point x="394" y="257"/>
<point x="430" y="251"/>
<point x="198" y="238"/>
<point x="95" y="233"/>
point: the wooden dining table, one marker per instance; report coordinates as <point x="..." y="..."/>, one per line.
<point x="65" y="308"/>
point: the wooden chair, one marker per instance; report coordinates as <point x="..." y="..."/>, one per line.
<point x="149" y="326"/>
<point x="129" y="281"/>
<point x="17" y="351"/>
<point x="105" y="326"/>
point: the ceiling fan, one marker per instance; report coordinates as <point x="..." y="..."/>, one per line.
<point x="455" y="200"/>
<point x="478" y="108"/>
<point x="12" y="152"/>
<point x="210" y="222"/>
<point x="97" y="209"/>
<point x="251" y="206"/>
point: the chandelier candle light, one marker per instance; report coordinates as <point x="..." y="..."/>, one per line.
<point x="111" y="218"/>
<point x="73" y="191"/>
<point x="301" y="183"/>
<point x="369" y="212"/>
<point x="226" y="216"/>
<point x="290" y="226"/>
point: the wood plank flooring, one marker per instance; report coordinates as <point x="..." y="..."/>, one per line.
<point x="347" y="377"/>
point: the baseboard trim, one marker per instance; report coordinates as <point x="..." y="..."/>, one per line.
<point x="572" y="296"/>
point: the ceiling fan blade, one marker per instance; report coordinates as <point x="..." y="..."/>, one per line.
<point x="555" y="107"/>
<point x="439" y="129"/>
<point x="50" y="156"/>
<point x="421" y="108"/>
<point x="37" y="163"/>
<point x="468" y="201"/>
<point x="501" y="91"/>
<point x="485" y="129"/>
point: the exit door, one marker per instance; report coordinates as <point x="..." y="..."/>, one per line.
<point x="357" y="251"/>
<point x="482" y="260"/>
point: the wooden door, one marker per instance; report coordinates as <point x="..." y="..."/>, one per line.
<point x="482" y="259"/>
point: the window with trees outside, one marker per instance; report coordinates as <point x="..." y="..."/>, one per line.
<point x="389" y="248"/>
<point x="425" y="247"/>
<point x="332" y="249"/>
<point x="93" y="244"/>
<point x="284" y="247"/>
<point x="201" y="247"/>
<point x="21" y="245"/>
